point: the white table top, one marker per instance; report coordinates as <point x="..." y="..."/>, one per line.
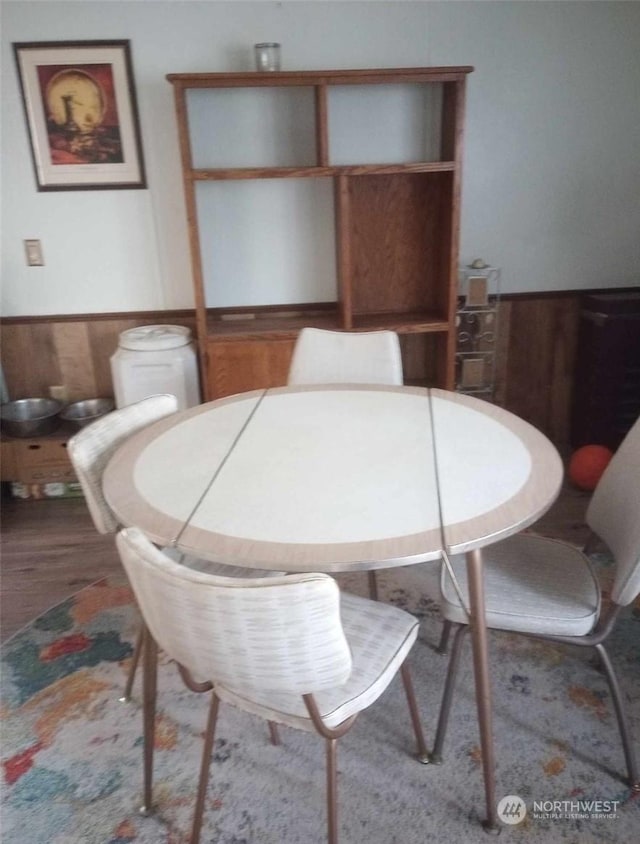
<point x="334" y="478"/>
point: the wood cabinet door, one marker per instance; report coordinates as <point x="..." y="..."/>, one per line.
<point x="236" y="366"/>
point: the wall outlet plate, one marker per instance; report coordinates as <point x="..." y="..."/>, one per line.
<point x="33" y="251"/>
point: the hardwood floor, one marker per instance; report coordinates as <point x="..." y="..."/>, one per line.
<point x="50" y="549"/>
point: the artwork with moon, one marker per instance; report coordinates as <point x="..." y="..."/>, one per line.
<point x="81" y="113"/>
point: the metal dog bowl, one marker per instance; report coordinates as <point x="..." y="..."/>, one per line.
<point x="30" y="417"/>
<point x="82" y="413"/>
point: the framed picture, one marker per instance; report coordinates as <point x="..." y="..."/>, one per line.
<point x="477" y="291"/>
<point x="82" y="116"/>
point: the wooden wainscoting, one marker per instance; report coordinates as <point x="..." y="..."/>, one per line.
<point x="73" y="351"/>
<point x="537" y="338"/>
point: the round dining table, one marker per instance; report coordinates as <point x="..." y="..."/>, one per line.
<point x="341" y="478"/>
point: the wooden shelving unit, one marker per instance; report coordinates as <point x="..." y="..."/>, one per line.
<point x="395" y="217"/>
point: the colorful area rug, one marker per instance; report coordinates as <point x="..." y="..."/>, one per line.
<point x="72" y="753"/>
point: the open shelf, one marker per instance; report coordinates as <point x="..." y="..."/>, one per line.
<point x="372" y="222"/>
<point x="402" y="323"/>
<point x="315" y="172"/>
<point x="285" y="324"/>
<point x="281" y="324"/>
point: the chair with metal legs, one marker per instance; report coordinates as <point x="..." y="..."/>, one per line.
<point x="344" y="357"/>
<point x="91" y="449"/>
<point x="333" y="657"/>
<point x="547" y="589"/>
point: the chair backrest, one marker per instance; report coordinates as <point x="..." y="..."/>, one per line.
<point x="92" y="447"/>
<point x="281" y="634"/>
<point x="614" y="515"/>
<point x="341" y="357"/>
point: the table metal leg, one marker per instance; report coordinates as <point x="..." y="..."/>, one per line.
<point x="150" y="686"/>
<point x="480" y="645"/>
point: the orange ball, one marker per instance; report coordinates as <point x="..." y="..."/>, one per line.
<point x="587" y="465"/>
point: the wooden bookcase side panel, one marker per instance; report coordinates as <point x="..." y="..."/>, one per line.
<point x="452" y="117"/>
<point x="450" y="269"/>
<point x="453" y="106"/>
<point x="322" y="125"/>
<point x="192" y="230"/>
<point x="343" y="251"/>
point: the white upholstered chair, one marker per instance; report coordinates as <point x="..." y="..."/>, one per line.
<point x="292" y="649"/>
<point x="91" y="449"/>
<point x="343" y="357"/>
<point x="545" y="588"/>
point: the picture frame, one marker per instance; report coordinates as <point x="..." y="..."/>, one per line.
<point x="81" y="113"/>
<point x="477" y="292"/>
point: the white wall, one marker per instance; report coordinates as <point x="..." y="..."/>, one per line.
<point x="551" y="186"/>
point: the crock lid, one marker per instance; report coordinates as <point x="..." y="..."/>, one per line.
<point x="150" y="338"/>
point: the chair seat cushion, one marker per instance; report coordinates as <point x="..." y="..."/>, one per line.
<point x="532" y="585"/>
<point x="380" y="637"/>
